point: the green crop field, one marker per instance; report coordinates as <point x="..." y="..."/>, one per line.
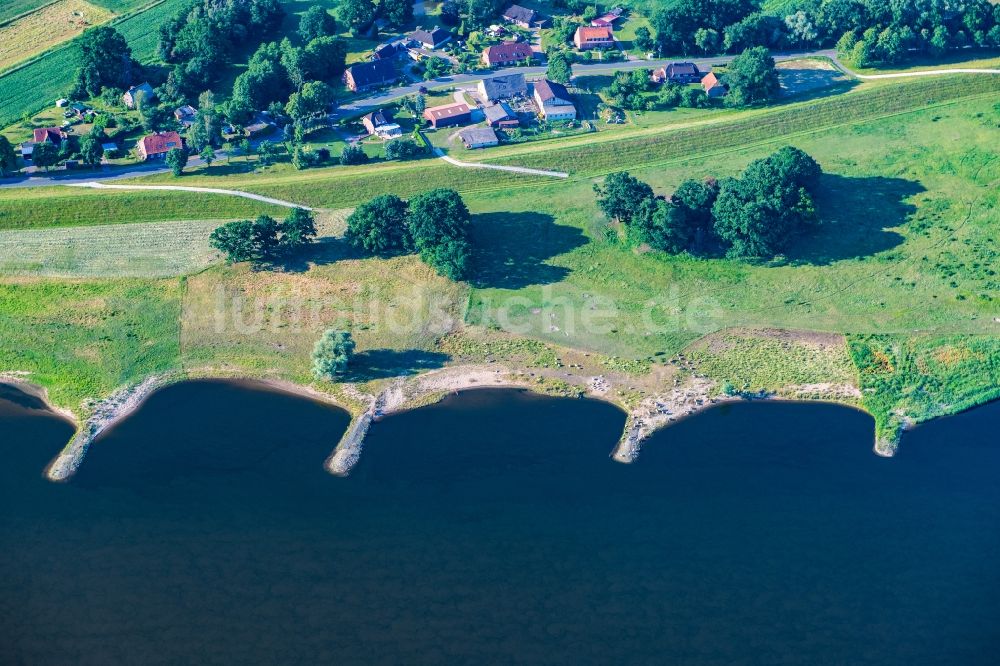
<point x="10" y="9"/>
<point x="40" y="82"/>
<point x="50" y="207"/>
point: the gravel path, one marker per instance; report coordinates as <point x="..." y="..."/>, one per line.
<point x="184" y="188"/>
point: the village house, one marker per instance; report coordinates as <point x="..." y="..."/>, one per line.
<point x="156" y="146"/>
<point x="448" y="115"/>
<point x="385" y="51"/>
<point x="713" y="87"/>
<point x="507" y="53"/>
<point x="430" y="39"/>
<point x="507" y="86"/>
<point x="500" y="115"/>
<point x="367" y="75"/>
<point x="524" y="17"/>
<point x="185" y="115"/>
<point x="678" y="72"/>
<point x="53" y="135"/>
<point x="554" y="101"/>
<point x="380" y="123"/>
<point x="479" y="137"/>
<point x="589" y="37"/>
<point x="132" y="95"/>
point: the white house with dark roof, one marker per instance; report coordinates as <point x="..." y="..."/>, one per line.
<point x="554" y="101"/>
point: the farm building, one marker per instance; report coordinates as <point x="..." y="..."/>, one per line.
<point x="479" y="137"/>
<point x="500" y="115"/>
<point x="367" y="75"/>
<point x="380" y="123"/>
<point x="132" y="95"/>
<point x="447" y="115"/>
<point x="430" y="39"/>
<point x="587" y="38"/>
<point x="554" y="101"/>
<point x="607" y="20"/>
<point x="507" y="53"/>
<point x="678" y="72"/>
<point x="156" y="146"/>
<point x="503" y="87"/>
<point x="713" y="87"/>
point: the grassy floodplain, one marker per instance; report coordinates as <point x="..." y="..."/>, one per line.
<point x="903" y="262"/>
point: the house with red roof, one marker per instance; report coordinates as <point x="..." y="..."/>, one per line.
<point x="590" y="37"/>
<point x="506" y="53"/>
<point x="156" y="146"/>
<point x="53" y="135"/>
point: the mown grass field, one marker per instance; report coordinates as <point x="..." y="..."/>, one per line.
<point x="144" y="249"/>
<point x="42" y="29"/>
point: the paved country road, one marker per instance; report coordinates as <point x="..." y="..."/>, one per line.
<point x="362" y="104"/>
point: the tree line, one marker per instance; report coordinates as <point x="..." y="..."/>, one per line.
<point x="752" y="216"/>
<point x="887" y="30"/>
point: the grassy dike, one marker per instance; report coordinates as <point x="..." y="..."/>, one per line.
<point x="901" y="267"/>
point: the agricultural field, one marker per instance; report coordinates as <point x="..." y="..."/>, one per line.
<point x="46" y="27"/>
<point x="61" y="207"/>
<point x="35" y="86"/>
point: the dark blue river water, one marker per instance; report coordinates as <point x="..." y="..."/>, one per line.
<point x="494" y="528"/>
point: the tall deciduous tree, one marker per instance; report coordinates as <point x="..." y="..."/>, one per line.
<point x="316" y="22"/>
<point x="380" y="226"/>
<point x="332" y="354"/>
<point x="8" y="158"/>
<point x="91" y="151"/>
<point x="177" y="159"/>
<point x="621" y="195"/>
<point x="752" y="78"/>
<point x="439" y="223"/>
<point x="559" y="68"/>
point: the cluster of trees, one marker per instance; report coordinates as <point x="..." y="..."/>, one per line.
<point x="435" y="224"/>
<point x="360" y="15"/>
<point x="105" y="62"/>
<point x="886" y="30"/>
<point x="291" y="78"/>
<point x="265" y="240"/>
<point x="630" y="90"/>
<point x="752" y="216"/>
<point x="471" y="14"/>
<point x="203" y="37"/>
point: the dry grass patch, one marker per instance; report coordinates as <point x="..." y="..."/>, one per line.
<point x="42" y="29"/>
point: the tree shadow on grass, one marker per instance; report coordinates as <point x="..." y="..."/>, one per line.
<point x="385" y="363"/>
<point x="510" y="249"/>
<point x="856" y="217"/>
<point x="325" y="250"/>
